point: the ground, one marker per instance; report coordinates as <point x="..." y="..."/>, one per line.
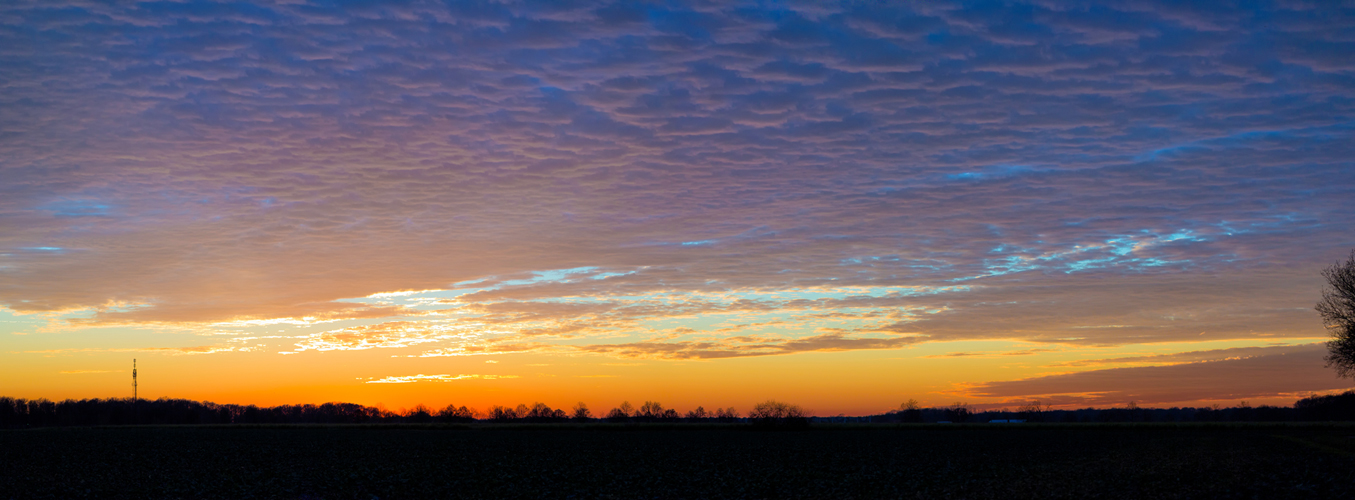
<point x="621" y="461"/>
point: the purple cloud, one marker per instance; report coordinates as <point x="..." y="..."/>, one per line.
<point x="1282" y="372"/>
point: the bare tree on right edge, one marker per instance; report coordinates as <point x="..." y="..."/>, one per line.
<point x="1337" y="308"/>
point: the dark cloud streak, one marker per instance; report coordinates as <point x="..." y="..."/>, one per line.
<point x="1278" y="372"/>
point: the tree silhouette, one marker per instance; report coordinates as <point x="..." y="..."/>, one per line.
<point x="621" y="413"/>
<point x="539" y="412"/>
<point x="581" y="413"/>
<point x="502" y="413"/>
<point x="777" y="414"/>
<point x="910" y="411"/>
<point x="958" y="412"/>
<point x="1328" y="408"/>
<point x="420" y="414"/>
<point x="1033" y="411"/>
<point x="696" y="415"/>
<point x="454" y="414"/>
<point x="650" y="411"/>
<point x="1337" y="308"/>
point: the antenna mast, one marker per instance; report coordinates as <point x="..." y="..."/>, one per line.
<point x="135" y="415"/>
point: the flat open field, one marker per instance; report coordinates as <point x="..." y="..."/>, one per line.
<point x="616" y="461"/>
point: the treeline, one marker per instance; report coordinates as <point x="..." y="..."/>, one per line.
<point x="125" y="411"/>
<point x="1338" y="407"/>
<point x="22" y="413"/>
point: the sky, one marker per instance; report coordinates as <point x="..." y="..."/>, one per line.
<point x="839" y="205"/>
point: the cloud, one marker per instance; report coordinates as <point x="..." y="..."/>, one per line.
<point x="1265" y="373"/>
<point x="501" y="347"/>
<point x="409" y="379"/>
<point x="735" y="349"/>
<point x="1197" y="356"/>
<point x="205" y="349"/>
<point x="173" y="351"/>
<point x="394" y="334"/>
<point x="817" y="177"/>
<point x="1025" y="352"/>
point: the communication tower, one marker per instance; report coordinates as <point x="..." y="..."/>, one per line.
<point x="134" y="397"/>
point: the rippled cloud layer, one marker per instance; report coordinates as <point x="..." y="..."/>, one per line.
<point x="675" y="181"/>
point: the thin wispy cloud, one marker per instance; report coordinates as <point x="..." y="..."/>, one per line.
<point x="409" y="379"/>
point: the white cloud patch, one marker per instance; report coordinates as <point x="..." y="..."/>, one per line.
<point x="409" y="379"/>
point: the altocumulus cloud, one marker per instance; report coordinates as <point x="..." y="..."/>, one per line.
<point x="828" y="178"/>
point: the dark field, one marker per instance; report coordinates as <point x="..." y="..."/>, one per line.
<point x="618" y="461"/>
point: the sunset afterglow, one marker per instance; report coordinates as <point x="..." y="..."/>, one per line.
<point x="845" y="206"/>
